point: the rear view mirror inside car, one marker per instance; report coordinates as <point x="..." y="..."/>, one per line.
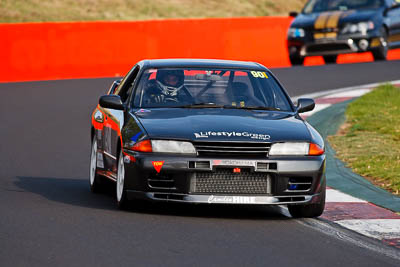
<point x="208" y="77"/>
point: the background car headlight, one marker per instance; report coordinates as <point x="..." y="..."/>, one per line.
<point x="295" y="149"/>
<point x="296" y="33"/>
<point x="361" y="27"/>
<point x="165" y="146"/>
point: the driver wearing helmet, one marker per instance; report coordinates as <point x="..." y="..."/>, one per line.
<point x="168" y="87"/>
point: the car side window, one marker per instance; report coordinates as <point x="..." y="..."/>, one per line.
<point x="126" y="89"/>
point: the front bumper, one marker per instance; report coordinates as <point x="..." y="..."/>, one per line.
<point x="343" y="44"/>
<point x="273" y="181"/>
<point x="224" y="199"/>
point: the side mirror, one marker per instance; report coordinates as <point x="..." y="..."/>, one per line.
<point x="293" y="14"/>
<point x="111" y="101"/>
<point x="114" y="86"/>
<point x="305" y="104"/>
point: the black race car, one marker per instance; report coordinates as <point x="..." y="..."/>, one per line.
<point x="207" y="131"/>
<point x="331" y="27"/>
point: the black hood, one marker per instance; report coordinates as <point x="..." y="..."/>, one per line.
<point x="307" y="21"/>
<point x="222" y="124"/>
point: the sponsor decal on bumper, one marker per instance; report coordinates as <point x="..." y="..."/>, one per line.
<point x="233" y="134"/>
<point x="219" y="162"/>
<point x="231" y="199"/>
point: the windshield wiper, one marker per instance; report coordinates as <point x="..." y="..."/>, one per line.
<point x="213" y="105"/>
<point x="253" y="108"/>
<point x="200" y="105"/>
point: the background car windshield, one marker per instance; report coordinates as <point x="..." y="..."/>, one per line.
<point x="331" y="5"/>
<point x="229" y="88"/>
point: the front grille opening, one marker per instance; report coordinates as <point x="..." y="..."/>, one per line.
<point x="264" y="166"/>
<point x="226" y="181"/>
<point x="232" y="149"/>
<point x="161" y="184"/>
<point x="327" y="47"/>
<point x="199" y="165"/>
<point x="299" y="183"/>
<point x="273" y="166"/>
<point x="169" y="196"/>
<point x="175" y="197"/>
<point x="161" y="196"/>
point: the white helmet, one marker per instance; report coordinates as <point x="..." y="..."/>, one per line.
<point x="170" y="81"/>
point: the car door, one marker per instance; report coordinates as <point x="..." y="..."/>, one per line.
<point x="114" y="121"/>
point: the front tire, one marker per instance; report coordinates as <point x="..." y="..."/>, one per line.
<point x="122" y="200"/>
<point x="310" y="210"/>
<point x="381" y="52"/>
<point x="296" y="60"/>
<point x="95" y="180"/>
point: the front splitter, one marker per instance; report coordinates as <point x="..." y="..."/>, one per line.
<point x="224" y="199"/>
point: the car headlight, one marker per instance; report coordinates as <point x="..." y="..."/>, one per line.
<point x="296" y="32"/>
<point x="361" y="27"/>
<point x="164" y="146"/>
<point x="295" y="149"/>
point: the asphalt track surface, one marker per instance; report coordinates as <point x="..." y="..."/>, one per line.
<point x="48" y="217"/>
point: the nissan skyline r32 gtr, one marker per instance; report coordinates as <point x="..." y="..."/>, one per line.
<point x="331" y="27"/>
<point x="207" y="131"/>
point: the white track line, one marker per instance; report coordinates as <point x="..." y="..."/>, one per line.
<point x="376" y="228"/>
<point x="352" y="93"/>
<point x="333" y="195"/>
<point x="339" y="90"/>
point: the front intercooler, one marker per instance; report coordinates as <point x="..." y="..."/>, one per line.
<point x="226" y="181"/>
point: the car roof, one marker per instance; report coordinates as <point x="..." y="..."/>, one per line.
<point x="201" y="63"/>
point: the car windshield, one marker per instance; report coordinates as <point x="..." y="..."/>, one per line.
<point x="314" y="6"/>
<point x="210" y="88"/>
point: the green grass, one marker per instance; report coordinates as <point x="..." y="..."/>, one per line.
<point x="369" y="141"/>
<point x="89" y="10"/>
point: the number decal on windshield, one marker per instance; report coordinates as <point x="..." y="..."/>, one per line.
<point x="259" y="74"/>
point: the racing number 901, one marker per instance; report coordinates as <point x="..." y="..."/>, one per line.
<point x="259" y="74"/>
